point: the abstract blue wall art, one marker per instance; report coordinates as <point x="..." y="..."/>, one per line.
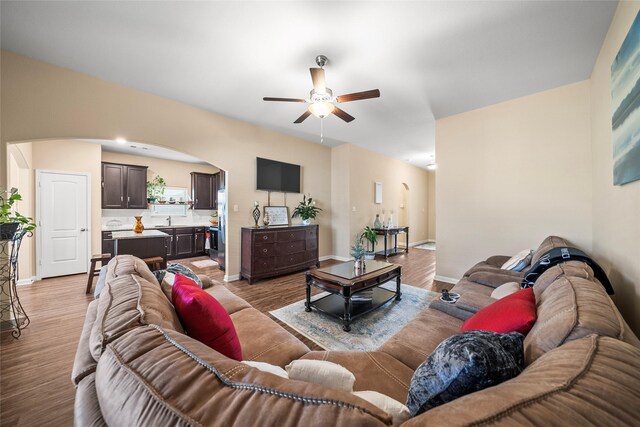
<point x="625" y="97"/>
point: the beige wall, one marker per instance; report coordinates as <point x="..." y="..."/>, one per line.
<point x="176" y="174"/>
<point x="42" y="101"/>
<point x="616" y="209"/>
<point x="355" y="170"/>
<point x="21" y="176"/>
<point x="432" y="205"/>
<point x="511" y="174"/>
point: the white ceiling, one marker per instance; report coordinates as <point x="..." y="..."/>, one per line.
<point x="429" y="59"/>
<point x="143" y="150"/>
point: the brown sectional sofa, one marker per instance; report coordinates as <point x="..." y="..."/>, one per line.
<point x="135" y="366"/>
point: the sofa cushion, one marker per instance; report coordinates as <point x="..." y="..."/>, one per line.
<point x="373" y="370"/>
<point x="463" y="364"/>
<point x="517" y="262"/>
<point x="547" y="244"/>
<point x="209" y="389"/>
<point x="129" y="301"/>
<point x="571" y="308"/>
<point x="124" y="265"/>
<point x="322" y="372"/>
<point x="262" y="339"/>
<point x="84" y="363"/>
<point x="230" y="301"/>
<point x="417" y="340"/>
<point x="176" y="268"/>
<point x="590" y="381"/>
<point x="398" y="411"/>
<point x="203" y="318"/>
<point x="86" y="409"/>
<point x="267" y="367"/>
<point x="569" y="269"/>
<point x="513" y="313"/>
<point x="505" y="290"/>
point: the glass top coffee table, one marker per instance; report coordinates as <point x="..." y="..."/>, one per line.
<point x="352" y="293"/>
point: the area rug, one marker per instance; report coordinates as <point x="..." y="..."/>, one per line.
<point x="430" y="246"/>
<point x="205" y="263"/>
<point x="368" y="332"/>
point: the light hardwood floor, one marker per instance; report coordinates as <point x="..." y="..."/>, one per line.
<point x="35" y="370"/>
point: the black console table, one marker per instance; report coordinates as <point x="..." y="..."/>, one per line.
<point x="392" y="231"/>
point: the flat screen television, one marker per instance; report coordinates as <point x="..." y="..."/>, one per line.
<point x="277" y="176"/>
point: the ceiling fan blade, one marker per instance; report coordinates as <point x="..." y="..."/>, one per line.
<point x="343" y="115"/>
<point x="268" y="98"/>
<point x="303" y="117"/>
<point x="317" y="76"/>
<point x="357" y="96"/>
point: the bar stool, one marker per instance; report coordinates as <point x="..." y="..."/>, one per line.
<point x="102" y="258"/>
<point x="154" y="263"/>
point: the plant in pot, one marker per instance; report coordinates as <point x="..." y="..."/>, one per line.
<point x="306" y="209"/>
<point x="357" y="251"/>
<point x="11" y="220"/>
<point x="369" y="234"/>
<point x="155" y="189"/>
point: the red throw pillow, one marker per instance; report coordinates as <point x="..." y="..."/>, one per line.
<point x="513" y="313"/>
<point x="204" y="318"/>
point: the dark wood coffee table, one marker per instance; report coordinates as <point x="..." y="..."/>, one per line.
<point x="343" y="282"/>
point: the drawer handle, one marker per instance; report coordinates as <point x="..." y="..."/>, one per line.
<point x="291" y="246"/>
<point x="264" y="250"/>
<point x="264" y="237"/>
<point x="291" y="259"/>
<point x="291" y="235"/>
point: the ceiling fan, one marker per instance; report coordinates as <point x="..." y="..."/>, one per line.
<point x="321" y="99"/>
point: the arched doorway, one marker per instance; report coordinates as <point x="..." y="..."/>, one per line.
<point x="403" y="211"/>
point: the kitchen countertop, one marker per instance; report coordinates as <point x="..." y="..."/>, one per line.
<point x="132" y="235"/>
<point x="128" y="227"/>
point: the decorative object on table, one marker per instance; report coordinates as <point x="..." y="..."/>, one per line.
<point x="378" y="193"/>
<point x="357" y="252"/>
<point x="138" y="227"/>
<point x="306" y="209"/>
<point x="155" y="189"/>
<point x="376" y="222"/>
<point x="13" y="227"/>
<point x="369" y="332"/>
<point x="625" y="100"/>
<point x="278" y="215"/>
<point x="370" y="235"/>
<point x="265" y="219"/>
<point x="256" y="213"/>
<point x="390" y="223"/>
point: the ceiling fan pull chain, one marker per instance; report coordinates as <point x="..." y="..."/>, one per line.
<point x="321" y="132"/>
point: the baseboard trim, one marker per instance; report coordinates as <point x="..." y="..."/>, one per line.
<point x="27" y="281"/>
<point x="419" y="242"/>
<point x="446" y="279"/>
<point x="231" y="277"/>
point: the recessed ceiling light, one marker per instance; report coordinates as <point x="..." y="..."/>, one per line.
<point x="121" y="141"/>
<point x="432" y="166"/>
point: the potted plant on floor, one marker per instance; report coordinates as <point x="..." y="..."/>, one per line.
<point x="306" y="209"/>
<point x="10" y="220"/>
<point x="155" y="189"/>
<point x="369" y="234"/>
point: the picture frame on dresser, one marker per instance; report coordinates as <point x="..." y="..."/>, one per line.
<point x="278" y="215"/>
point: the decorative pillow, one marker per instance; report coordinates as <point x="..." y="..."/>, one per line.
<point x="178" y="269"/>
<point x="514" y="260"/>
<point x="399" y="413"/>
<point x="521" y="265"/>
<point x="102" y="279"/>
<point x="204" y="318"/>
<point x="505" y="289"/>
<point x="463" y="364"/>
<point x="167" y="283"/>
<point x="513" y="313"/>
<point x="321" y="372"/>
<point x="267" y="367"/>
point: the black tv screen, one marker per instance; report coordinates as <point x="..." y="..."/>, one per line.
<point x="277" y="176"/>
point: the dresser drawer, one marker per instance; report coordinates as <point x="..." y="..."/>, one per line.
<point x="311" y="255"/>
<point x="286" y="248"/>
<point x="262" y="265"/>
<point x="289" y="260"/>
<point x="312" y="244"/>
<point x="264" y="237"/>
<point x="291" y="235"/>
<point x="312" y="233"/>
<point x="264" y="250"/>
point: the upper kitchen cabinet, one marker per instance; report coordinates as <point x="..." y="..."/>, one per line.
<point x="124" y="186"/>
<point x="204" y="190"/>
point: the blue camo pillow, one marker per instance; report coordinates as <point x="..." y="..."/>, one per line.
<point x="521" y="265"/>
<point x="178" y="269"/>
<point x="463" y="364"/>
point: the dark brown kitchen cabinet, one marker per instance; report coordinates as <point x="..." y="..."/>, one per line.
<point x="107" y="243"/>
<point x="184" y="242"/>
<point x="199" y="240"/>
<point x="204" y="190"/>
<point x="124" y="186"/>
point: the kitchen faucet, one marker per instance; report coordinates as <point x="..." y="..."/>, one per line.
<point x="169" y="220"/>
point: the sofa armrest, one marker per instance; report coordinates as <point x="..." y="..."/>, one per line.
<point x="497" y="260"/>
<point x="459" y="311"/>
<point x="206" y="281"/>
<point x="493" y="280"/>
<point x="84" y="363"/>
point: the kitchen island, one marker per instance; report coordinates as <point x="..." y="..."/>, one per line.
<point x="148" y="244"/>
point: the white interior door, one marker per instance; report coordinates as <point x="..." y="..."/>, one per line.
<point x="63" y="218"/>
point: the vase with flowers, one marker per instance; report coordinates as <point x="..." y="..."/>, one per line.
<point x="306" y="210"/>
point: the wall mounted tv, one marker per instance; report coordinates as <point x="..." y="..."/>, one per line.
<point x="277" y="176"/>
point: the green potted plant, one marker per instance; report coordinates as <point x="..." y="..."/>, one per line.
<point x="11" y="220"/>
<point x="306" y="209"/>
<point x="369" y="234"/>
<point x="155" y="189"/>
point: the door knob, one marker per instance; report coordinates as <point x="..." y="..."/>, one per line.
<point x="83" y="229"/>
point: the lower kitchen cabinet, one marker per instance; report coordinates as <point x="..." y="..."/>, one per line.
<point x="182" y="242"/>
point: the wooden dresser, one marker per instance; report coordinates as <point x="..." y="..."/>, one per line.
<point x="273" y="251"/>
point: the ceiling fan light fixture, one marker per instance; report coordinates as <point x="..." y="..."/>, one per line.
<point x="321" y="109"/>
